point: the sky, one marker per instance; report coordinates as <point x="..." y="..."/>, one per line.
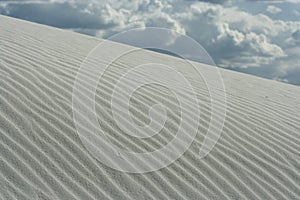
<point x="255" y="37"/>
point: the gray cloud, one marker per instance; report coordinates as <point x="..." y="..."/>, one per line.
<point x="296" y="35"/>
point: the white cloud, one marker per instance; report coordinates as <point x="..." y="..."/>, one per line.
<point x="273" y="9"/>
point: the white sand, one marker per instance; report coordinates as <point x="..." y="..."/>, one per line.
<point x="42" y="156"/>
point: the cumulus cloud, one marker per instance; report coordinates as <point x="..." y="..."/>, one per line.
<point x="253" y="43"/>
<point x="286" y="69"/>
<point x="228" y="34"/>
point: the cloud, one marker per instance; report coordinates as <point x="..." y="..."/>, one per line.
<point x="286" y="69"/>
<point x="296" y="35"/>
<point x="236" y="38"/>
<point x="273" y="9"/>
<point x="216" y="1"/>
<point x="274" y="1"/>
<point x="65" y="15"/>
<point x="252" y="43"/>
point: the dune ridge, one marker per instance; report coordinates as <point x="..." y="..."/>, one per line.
<point x="42" y="156"/>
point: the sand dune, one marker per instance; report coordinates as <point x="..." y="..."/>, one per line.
<point x="43" y="157"/>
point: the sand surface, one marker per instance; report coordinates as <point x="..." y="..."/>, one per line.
<point x="42" y="156"/>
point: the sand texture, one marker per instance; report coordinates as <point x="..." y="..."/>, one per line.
<point x="43" y="157"/>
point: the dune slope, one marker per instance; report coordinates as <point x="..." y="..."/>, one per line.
<point x="42" y="156"/>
